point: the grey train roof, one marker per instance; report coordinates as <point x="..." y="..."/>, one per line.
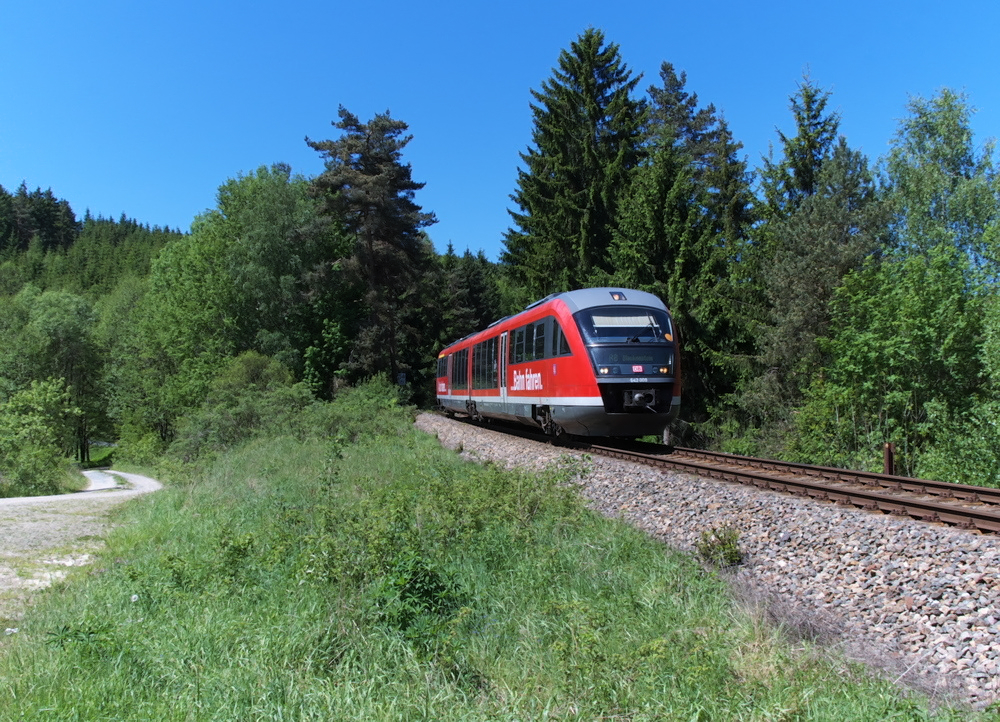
<point x="591" y="297"/>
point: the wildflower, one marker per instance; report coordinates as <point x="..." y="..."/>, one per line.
<point x="10" y="630"/>
<point x="135" y="597"/>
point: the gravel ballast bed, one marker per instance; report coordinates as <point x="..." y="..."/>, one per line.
<point x="918" y="600"/>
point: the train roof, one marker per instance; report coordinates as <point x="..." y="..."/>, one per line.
<point x="579" y="300"/>
<point x="591" y="297"/>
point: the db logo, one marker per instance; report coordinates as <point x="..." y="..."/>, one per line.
<point x="637" y="369"/>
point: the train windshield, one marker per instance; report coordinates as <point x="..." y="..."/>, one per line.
<point x="622" y="324"/>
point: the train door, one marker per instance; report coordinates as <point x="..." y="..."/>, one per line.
<point x="502" y="365"/>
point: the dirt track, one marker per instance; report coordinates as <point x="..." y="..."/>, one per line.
<point x="42" y="537"/>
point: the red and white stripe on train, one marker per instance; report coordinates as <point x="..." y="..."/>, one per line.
<point x="592" y="362"/>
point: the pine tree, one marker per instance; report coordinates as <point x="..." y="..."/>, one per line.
<point x="586" y="142"/>
<point x="40" y="214"/>
<point x="830" y="234"/>
<point x="369" y="191"/>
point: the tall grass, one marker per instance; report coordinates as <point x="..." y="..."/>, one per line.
<point x="368" y="574"/>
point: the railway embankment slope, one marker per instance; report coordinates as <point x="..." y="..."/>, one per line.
<point x="919" y="601"/>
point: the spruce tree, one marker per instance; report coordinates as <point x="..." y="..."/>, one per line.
<point x="786" y="183"/>
<point x="586" y="141"/>
<point x="8" y="228"/>
<point x="682" y="234"/>
<point x="821" y="218"/>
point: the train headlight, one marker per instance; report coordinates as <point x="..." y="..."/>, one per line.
<point x="663" y="370"/>
<point x="603" y="370"/>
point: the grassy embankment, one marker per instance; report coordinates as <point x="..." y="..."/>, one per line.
<point x="373" y="575"/>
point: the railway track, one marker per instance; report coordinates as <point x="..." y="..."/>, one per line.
<point x="969" y="507"/>
<point x="961" y="505"/>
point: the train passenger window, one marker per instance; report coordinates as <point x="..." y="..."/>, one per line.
<point x="442" y="366"/>
<point x="460" y="370"/>
<point x="492" y="364"/>
<point x="484" y="364"/>
<point x="530" y="341"/>
<point x="540" y="341"/>
<point x="529" y="345"/>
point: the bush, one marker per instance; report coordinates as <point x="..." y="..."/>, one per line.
<point x="720" y="547"/>
<point x="34" y="426"/>
<point x="254" y="396"/>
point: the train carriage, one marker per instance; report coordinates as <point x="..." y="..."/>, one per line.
<point x="592" y="362"/>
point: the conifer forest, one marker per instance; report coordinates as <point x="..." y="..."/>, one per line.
<point x="826" y="302"/>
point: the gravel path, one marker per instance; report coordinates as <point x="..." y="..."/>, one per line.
<point x="919" y="601"/>
<point x="42" y="537"/>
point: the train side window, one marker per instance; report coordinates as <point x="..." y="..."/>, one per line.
<point x="491" y="360"/>
<point x="460" y="370"/>
<point x="540" y="340"/>
<point x="519" y="345"/>
<point x="477" y="364"/>
<point x="483" y="358"/>
<point x="560" y="344"/>
<point x="484" y="364"/>
<point x="529" y="345"/>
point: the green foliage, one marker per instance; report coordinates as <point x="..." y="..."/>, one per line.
<point x="905" y="338"/>
<point x="829" y="234"/>
<point x="390" y="579"/>
<point x="54" y="252"/>
<point x="50" y="335"/>
<point x="682" y="234"/>
<point x="943" y="186"/>
<point x="787" y="183"/>
<point x="34" y="426"/>
<point x="586" y="142"/>
<point x="966" y="448"/>
<point x="906" y="331"/>
<point x="249" y="395"/>
<point x="720" y="546"/>
<point x="258" y="273"/>
<point x="816" y="224"/>
<point x="26" y="216"/>
<point x="388" y="250"/>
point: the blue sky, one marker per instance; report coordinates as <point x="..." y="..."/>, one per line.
<point x="146" y="108"/>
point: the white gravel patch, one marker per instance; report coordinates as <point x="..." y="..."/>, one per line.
<point x="43" y="537"/>
<point x="919" y="601"/>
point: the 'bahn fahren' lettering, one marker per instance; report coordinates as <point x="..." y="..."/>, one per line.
<point x="527" y="381"/>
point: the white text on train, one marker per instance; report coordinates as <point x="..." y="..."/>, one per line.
<point x="527" y="381"/>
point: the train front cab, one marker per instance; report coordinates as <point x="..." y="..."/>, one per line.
<point x="631" y="347"/>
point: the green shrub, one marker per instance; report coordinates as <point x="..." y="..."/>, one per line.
<point x="720" y="546"/>
<point x="35" y="428"/>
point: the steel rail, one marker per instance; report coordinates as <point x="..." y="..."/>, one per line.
<point x="973" y="507"/>
<point x="984" y="518"/>
<point x="962" y="492"/>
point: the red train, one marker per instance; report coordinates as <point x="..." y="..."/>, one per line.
<point x="593" y="362"/>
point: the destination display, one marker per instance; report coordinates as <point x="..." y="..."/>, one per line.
<point x="633" y="355"/>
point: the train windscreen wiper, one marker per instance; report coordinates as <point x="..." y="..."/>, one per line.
<point x="651" y="326"/>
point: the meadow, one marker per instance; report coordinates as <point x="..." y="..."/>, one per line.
<point x="355" y="570"/>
